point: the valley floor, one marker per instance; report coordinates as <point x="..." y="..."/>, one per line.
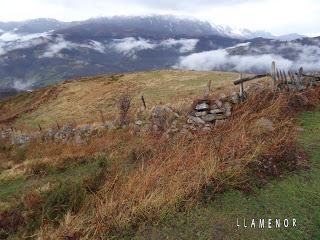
<point x="295" y="196"/>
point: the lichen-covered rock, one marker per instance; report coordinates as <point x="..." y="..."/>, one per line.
<point x="228" y="109"/>
<point x="163" y="117"/>
<point x="235" y="98"/>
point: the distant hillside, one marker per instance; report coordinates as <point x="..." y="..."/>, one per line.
<point x="41" y="52"/>
<point x="81" y="100"/>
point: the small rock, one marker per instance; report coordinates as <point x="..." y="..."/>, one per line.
<point x="222" y="97"/>
<point x="138" y="122"/>
<point x="227" y="106"/>
<point x="209" y="118"/>
<point x="202" y="106"/>
<point x="218" y="103"/>
<point x="217" y="111"/>
<point x="235" y="98"/>
<point x="197" y="120"/>
<point x="206" y="129"/>
<point x="200" y="114"/>
<point x="213" y="106"/>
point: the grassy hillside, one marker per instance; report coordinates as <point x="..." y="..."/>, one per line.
<point x="82" y="100"/>
<point x="120" y="184"/>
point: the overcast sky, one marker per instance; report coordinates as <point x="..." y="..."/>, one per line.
<point x="276" y="16"/>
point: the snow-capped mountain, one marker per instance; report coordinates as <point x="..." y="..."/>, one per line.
<point x="248" y="34"/>
<point x="43" y="51"/>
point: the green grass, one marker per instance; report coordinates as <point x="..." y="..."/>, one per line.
<point x="76" y="173"/>
<point x="295" y="196"/>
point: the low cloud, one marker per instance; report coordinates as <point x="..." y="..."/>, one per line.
<point x="186" y="45"/>
<point x="130" y="46"/>
<point x="289" y="56"/>
<point x="12" y="36"/>
<point x="22" y="85"/>
<point x="10" y="41"/>
<point x="54" y="49"/>
<point x="221" y="60"/>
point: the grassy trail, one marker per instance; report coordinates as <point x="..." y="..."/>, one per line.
<point x="295" y="196"/>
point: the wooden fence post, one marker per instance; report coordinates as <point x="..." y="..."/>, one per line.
<point x="273" y="75"/>
<point x="39" y="126"/>
<point x="241" y="93"/>
<point x="144" y="102"/>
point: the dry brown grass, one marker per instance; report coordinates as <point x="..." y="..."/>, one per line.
<point x="83" y="100"/>
<point x="176" y="173"/>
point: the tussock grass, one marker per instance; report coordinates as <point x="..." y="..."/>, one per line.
<point x="178" y="173"/>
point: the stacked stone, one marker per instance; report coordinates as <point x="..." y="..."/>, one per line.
<point x="209" y="113"/>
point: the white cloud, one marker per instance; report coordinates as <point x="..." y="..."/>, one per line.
<point x="186" y="45"/>
<point x="220" y="60"/>
<point x="10" y="41"/>
<point x="130" y="46"/>
<point x="98" y="46"/>
<point x="54" y="49"/>
<point x="22" y="85"/>
<point x="257" y="59"/>
<point x="13" y="36"/>
<point x="279" y="17"/>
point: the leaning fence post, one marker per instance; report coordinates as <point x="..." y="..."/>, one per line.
<point x="273" y="75"/>
<point x="39" y="126"/>
<point x="144" y="102"/>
